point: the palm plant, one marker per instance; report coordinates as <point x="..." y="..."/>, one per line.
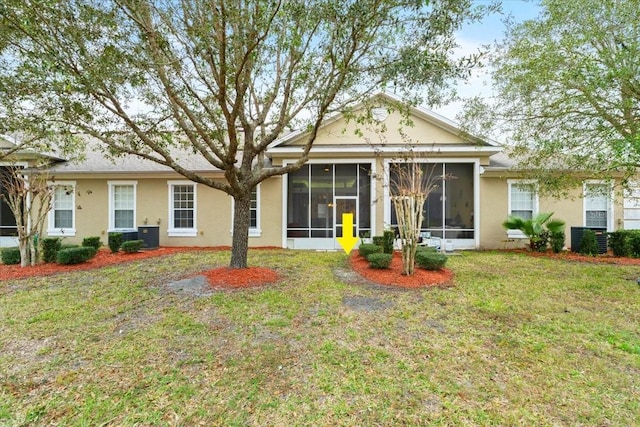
<point x="537" y="229"/>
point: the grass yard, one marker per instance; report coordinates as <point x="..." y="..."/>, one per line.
<point x="517" y="341"/>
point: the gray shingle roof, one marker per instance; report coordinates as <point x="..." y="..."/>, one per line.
<point x="94" y="159"/>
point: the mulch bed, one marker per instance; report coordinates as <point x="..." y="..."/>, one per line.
<point x="223" y="277"/>
<point x="393" y="276"/>
<point x="607" y="258"/>
<point x="218" y="278"/>
<point x="103" y="258"/>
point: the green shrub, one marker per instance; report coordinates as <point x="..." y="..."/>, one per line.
<point x="378" y="241"/>
<point x="422" y="248"/>
<point x="589" y="244"/>
<point x="93" y="242"/>
<point x="115" y="241"/>
<point x="367" y="249"/>
<point x="540" y="241"/>
<point x="75" y="255"/>
<point x="556" y="239"/>
<point x="430" y="260"/>
<point x="131" y="246"/>
<point x="11" y="256"/>
<point x="50" y="248"/>
<point x="379" y="260"/>
<point x="620" y="243"/>
<point x="634" y="243"/>
<point x="389" y="237"/>
<point x="537" y="229"/>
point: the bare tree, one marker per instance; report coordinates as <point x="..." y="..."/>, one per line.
<point x="28" y="194"/>
<point x="410" y="183"/>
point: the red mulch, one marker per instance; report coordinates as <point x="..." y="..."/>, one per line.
<point x="256" y="276"/>
<point x="393" y="276"/>
<point x="218" y="277"/>
<point x="103" y="258"/>
<point x="607" y="258"/>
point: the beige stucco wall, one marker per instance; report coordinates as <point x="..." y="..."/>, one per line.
<point x="215" y="210"/>
<point x="387" y="132"/>
<point x="393" y="130"/>
<point x="213" y="217"/>
<point x="494" y="210"/>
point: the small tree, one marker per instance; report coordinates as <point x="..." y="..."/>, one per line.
<point x="410" y="183"/>
<point x="29" y="196"/>
<point x="537" y="229"/>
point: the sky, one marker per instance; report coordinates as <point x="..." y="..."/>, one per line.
<point x="489" y="31"/>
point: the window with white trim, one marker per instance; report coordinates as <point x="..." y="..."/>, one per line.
<point x="597" y="204"/>
<point x="62" y="214"/>
<point x="523" y="198"/>
<point x="182" y="209"/>
<point x="253" y="225"/>
<point x="254" y="213"/>
<point x="122" y="205"/>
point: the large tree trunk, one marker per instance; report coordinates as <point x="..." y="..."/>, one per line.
<point x="240" y="240"/>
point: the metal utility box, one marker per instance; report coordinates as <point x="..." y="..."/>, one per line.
<point x="126" y="235"/>
<point x="150" y="235"/>
<point x="601" y="238"/>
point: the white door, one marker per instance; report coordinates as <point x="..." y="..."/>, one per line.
<point x="341" y="206"/>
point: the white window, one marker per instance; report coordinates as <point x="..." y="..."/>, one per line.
<point x="598" y="205"/>
<point x="122" y="205"/>
<point x="254" y="214"/>
<point x="182" y="209"/>
<point x="62" y="214"/>
<point x="523" y="198"/>
<point x="523" y="202"/>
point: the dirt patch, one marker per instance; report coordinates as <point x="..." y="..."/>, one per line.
<point x="236" y="278"/>
<point x="196" y="285"/>
<point x="361" y="303"/>
<point x="393" y="276"/>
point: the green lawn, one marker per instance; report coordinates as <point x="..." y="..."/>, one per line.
<point x="517" y="340"/>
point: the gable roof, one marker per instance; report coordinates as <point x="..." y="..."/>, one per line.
<point x="287" y="143"/>
<point x="6" y="142"/>
<point x="10" y="144"/>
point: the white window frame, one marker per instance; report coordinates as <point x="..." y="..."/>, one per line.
<point x="518" y="234"/>
<point x="253" y="231"/>
<point x="610" y="204"/>
<point x="51" y="226"/>
<point x="111" y="185"/>
<point x="172" y="231"/>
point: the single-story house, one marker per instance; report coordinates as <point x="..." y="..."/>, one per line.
<point x="347" y="171"/>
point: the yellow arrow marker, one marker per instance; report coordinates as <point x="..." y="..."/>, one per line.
<point x="347" y="241"/>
